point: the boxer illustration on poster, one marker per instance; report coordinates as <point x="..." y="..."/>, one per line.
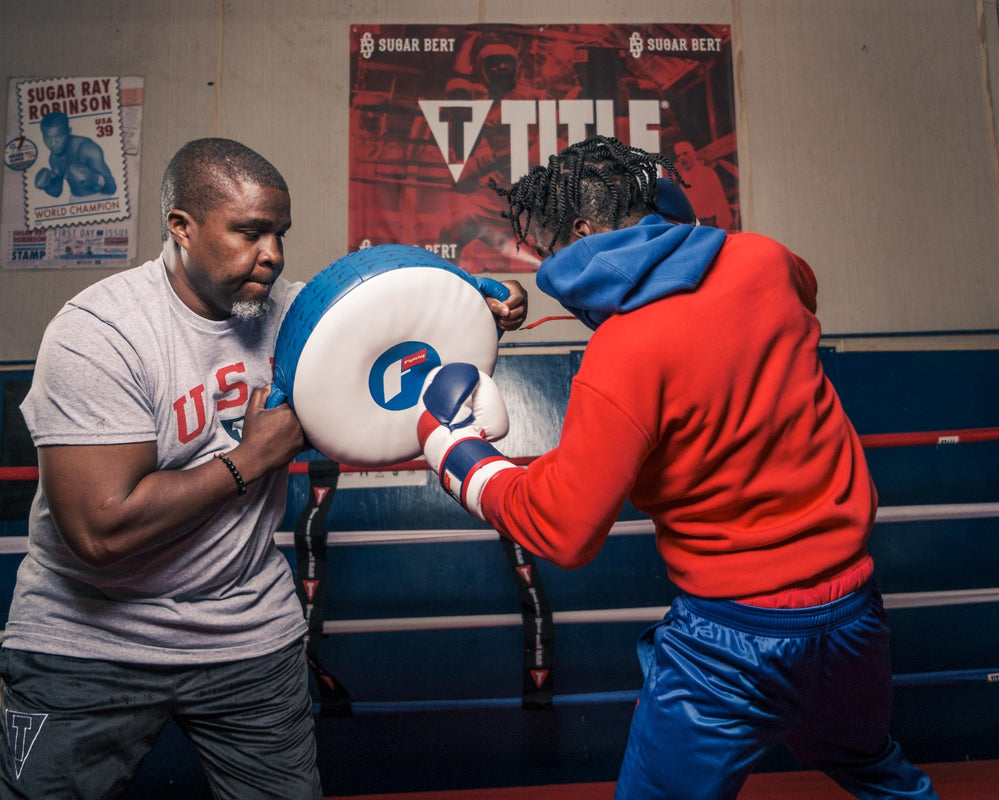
<point x="83" y="178"/>
<point x="436" y="111"/>
<point x="70" y="156"/>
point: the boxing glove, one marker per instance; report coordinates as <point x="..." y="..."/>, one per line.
<point x="461" y="410"/>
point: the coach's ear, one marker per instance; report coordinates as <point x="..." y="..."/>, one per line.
<point x="179" y="226"/>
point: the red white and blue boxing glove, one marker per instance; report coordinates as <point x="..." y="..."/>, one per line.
<point x="462" y="410"/>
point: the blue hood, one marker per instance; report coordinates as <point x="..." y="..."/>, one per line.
<point x="617" y="271"/>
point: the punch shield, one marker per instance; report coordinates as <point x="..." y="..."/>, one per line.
<point x="358" y="341"/>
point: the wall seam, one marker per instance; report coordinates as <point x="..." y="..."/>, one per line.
<point x="742" y="124"/>
<point x="219" y="25"/>
<point x="989" y="100"/>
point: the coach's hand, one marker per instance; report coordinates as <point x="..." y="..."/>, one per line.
<point x="271" y="437"/>
<point x="510" y="312"/>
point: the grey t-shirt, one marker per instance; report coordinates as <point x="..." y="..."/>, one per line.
<point x="126" y="361"/>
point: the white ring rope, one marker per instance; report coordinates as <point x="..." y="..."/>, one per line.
<point x="888" y="514"/>
<point x="647" y="614"/>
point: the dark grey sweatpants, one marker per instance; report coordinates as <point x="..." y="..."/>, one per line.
<point x="79" y="728"/>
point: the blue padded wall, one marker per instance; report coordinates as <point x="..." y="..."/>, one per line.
<point x="384" y="747"/>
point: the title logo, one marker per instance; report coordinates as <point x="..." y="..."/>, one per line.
<point x="457" y="125"/>
<point x="22" y="730"/>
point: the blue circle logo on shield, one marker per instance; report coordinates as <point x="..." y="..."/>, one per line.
<point x="397" y="376"/>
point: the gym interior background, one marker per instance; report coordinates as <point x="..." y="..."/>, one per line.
<point x="866" y="142"/>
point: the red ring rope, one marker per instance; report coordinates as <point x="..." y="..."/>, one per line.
<point x="871" y="440"/>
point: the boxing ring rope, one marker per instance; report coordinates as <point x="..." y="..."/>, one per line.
<point x="869" y="441"/>
<point x="650" y="614"/>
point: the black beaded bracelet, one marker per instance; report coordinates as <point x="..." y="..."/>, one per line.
<point x="224" y="458"/>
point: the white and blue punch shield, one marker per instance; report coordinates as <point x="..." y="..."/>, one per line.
<point x="358" y="341"/>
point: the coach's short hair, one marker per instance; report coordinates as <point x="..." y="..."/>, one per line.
<point x="204" y="173"/>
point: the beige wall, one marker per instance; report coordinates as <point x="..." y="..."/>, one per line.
<point x="867" y="130"/>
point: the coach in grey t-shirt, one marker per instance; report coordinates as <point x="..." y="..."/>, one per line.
<point x="149" y="369"/>
<point x="152" y="587"/>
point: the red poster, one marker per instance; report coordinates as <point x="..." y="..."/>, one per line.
<point x="436" y="111"/>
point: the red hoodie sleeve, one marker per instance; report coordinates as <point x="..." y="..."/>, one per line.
<point x="562" y="506"/>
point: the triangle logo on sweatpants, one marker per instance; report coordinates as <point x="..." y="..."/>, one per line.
<point x="22" y="731"/>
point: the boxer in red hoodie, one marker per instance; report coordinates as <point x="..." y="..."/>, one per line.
<point x="702" y="400"/>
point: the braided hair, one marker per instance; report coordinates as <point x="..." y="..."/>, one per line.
<point x="598" y="179"/>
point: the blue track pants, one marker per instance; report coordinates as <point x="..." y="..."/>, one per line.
<point x="726" y="682"/>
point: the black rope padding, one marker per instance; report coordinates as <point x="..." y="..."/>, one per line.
<point x="538" y="628"/>
<point x="310" y="557"/>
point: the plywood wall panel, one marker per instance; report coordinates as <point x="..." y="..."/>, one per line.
<point x="866" y="130"/>
<point x="871" y="156"/>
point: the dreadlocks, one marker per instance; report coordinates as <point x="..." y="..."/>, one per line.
<point x="599" y="179"/>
